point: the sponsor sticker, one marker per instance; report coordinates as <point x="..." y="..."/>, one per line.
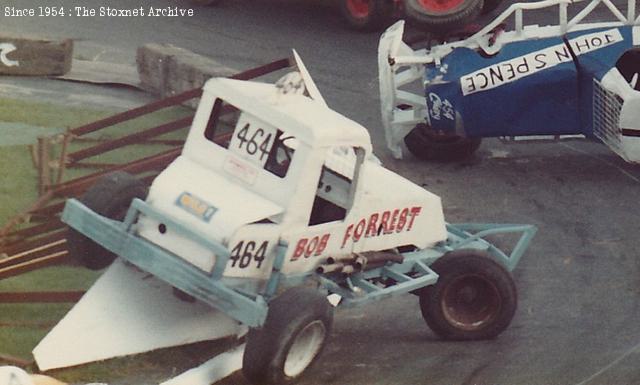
<point x="196" y="206"/>
<point x="511" y="70"/>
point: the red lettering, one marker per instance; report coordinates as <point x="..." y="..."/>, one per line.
<point x="384" y="220"/>
<point x="300" y="247"/>
<point x="371" y="229"/>
<point x="402" y="220"/>
<point x="392" y="224"/>
<point x="347" y="234"/>
<point x="415" y="211"/>
<point x="311" y="246"/>
<point x="323" y="244"/>
<point x="359" y="230"/>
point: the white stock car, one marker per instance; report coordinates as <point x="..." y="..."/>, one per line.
<point x="277" y="202"/>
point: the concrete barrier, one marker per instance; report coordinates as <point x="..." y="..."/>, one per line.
<point x="167" y="70"/>
<point x="34" y="56"/>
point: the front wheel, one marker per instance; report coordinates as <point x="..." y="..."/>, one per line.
<point x="111" y="197"/>
<point x="366" y="15"/>
<point x="295" y="332"/>
<point x="474" y="298"/>
<point x="443" y="15"/>
<point x="426" y="144"/>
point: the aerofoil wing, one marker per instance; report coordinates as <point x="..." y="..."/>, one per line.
<point x="127" y="312"/>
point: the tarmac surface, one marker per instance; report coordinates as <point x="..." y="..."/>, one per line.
<point x="579" y="283"/>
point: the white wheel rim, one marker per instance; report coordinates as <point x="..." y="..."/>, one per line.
<point x="305" y="348"/>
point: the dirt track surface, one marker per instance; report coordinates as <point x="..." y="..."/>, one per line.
<point x="579" y="283"/>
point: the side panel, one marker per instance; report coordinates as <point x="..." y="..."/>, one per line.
<point x="528" y="88"/>
<point x="389" y="211"/>
<point x="312" y="245"/>
<point x="392" y="212"/>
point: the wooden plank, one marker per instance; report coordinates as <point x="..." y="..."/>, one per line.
<point x="136" y="112"/>
<point x="35" y="253"/>
<point x="38" y="229"/>
<point x="95" y="166"/>
<point x="34" y="243"/>
<point x="25" y="267"/>
<point x="41" y="296"/>
<point x="155" y="162"/>
<point x="15" y="360"/>
<point x="168" y="142"/>
<point x="47" y="212"/>
<point x="44" y="171"/>
<point x="137" y="137"/>
<point x="9" y="226"/>
<point x="263" y="70"/>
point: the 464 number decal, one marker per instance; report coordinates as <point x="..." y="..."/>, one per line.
<point x="256" y="141"/>
<point x="253" y="140"/>
<point x="244" y="253"/>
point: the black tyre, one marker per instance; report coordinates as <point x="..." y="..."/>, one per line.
<point x="367" y="15"/>
<point x="427" y="145"/>
<point x="475" y="297"/>
<point x="297" y="326"/>
<point x="490" y="5"/>
<point x="443" y="15"/>
<point x="110" y="196"/>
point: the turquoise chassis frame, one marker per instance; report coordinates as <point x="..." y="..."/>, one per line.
<point x="251" y="308"/>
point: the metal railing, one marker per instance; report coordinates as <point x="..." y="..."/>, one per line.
<point x="486" y="40"/>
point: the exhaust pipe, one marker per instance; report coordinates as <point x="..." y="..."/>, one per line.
<point x="358" y="262"/>
<point x="330" y="268"/>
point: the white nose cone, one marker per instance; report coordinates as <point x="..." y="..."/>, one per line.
<point x="126" y="312"/>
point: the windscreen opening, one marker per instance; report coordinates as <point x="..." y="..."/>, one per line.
<point x="250" y="138"/>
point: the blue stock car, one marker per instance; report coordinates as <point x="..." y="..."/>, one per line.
<point x="569" y="79"/>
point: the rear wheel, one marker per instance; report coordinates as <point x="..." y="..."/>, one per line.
<point x="474" y="297"/>
<point x="426" y="144"/>
<point x="111" y="197"/>
<point x="443" y="15"/>
<point x="295" y="332"/>
<point x="366" y="15"/>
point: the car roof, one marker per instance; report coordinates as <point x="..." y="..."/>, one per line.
<point x="308" y="120"/>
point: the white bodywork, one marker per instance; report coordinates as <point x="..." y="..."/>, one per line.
<point x="250" y="202"/>
<point x="236" y="185"/>
<point x="401" y="69"/>
<point x="127" y="312"/>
